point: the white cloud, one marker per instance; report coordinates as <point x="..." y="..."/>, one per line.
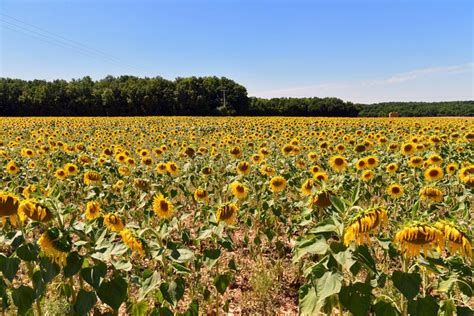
<point x="428" y="84"/>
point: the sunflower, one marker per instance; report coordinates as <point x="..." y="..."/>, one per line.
<point x="314" y="169"/>
<point x="307" y="187"/>
<point x="54" y="247"/>
<point x="12" y="168"/>
<point x="277" y="184"/>
<point x="456" y="239"/>
<point x="134" y="243"/>
<point x="34" y="211"/>
<point x="363" y="224"/>
<point x="367" y="175"/>
<point x="239" y="190"/>
<point x="416" y="237"/>
<point x="256" y="158"/>
<point x="433" y="173"/>
<point x="60" y="174"/>
<point x="391" y="168"/>
<point x="415" y="162"/>
<point x="452" y="168"/>
<point x="227" y="213"/>
<point x="321" y="199"/>
<point x="161" y="168"/>
<point x="235" y="152"/>
<point x="466" y="175"/>
<point x="8" y="204"/>
<point x="243" y="168"/>
<point x="287" y="149"/>
<point x="92" y="178"/>
<point x="321" y="176"/>
<point x="313" y="156"/>
<point x="118" y="185"/>
<point x="435" y="159"/>
<point x="201" y="195"/>
<point x="372" y="162"/>
<point x="92" y="210"/>
<point x="395" y="191"/>
<point x="162" y="206"/>
<point x="361" y="164"/>
<point x="70" y="169"/>
<point x="338" y="163"/>
<point x="113" y="222"/>
<point x="267" y="170"/>
<point x="172" y="168"/>
<point x="431" y="194"/>
<point x="408" y="149"/>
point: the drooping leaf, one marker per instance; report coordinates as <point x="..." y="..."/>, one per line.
<point x="85" y="300"/>
<point x="23" y="298"/>
<point x="407" y="283"/>
<point x="356" y="298"/>
<point x="113" y="292"/>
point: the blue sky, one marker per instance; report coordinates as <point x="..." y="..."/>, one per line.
<point x="362" y="51"/>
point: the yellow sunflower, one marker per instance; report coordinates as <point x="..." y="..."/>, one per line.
<point x="433" y="173"/>
<point x="162" y="206"/>
<point x="92" y="210"/>
<point x="92" y="178"/>
<point x="338" y="163"/>
<point x="239" y="190"/>
<point x="201" y="195"/>
<point x="416" y="237"/>
<point x="395" y="191"/>
<point x="307" y="187"/>
<point x="227" y="213"/>
<point x="70" y="169"/>
<point x="12" y="168"/>
<point x="132" y="242"/>
<point x="363" y="224"/>
<point x="172" y="168"/>
<point x="113" y="222"/>
<point x="277" y="184"/>
<point x="243" y="168"/>
<point x="456" y="239"/>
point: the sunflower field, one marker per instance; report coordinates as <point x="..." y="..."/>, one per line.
<point x="239" y="216"/>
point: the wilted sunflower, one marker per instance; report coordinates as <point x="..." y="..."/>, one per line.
<point x="201" y="195"/>
<point x="456" y="239"/>
<point x="466" y="175"/>
<point x="321" y="199"/>
<point x="134" y="243"/>
<point x="307" y="187"/>
<point x="162" y="206"/>
<point x="8" y="204"/>
<point x="92" y="210"/>
<point x="34" y="211"/>
<point x="338" y="163"/>
<point x="433" y="173"/>
<point x="227" y="213"/>
<point x="92" y="178"/>
<point x="363" y="224"/>
<point x="431" y="194"/>
<point x="395" y="191"/>
<point x="239" y="190"/>
<point x="416" y="237"/>
<point x="277" y="184"/>
<point x="55" y="246"/>
<point x="113" y="222"/>
<point x="172" y="168"/>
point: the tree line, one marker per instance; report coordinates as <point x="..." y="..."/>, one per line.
<point x="133" y="96"/>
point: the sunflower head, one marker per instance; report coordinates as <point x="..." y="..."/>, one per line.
<point x="134" y="243"/>
<point x="277" y="184"/>
<point x="363" y="224"/>
<point x="239" y="190"/>
<point x="227" y="213"/>
<point x="307" y="187"/>
<point x="113" y="222"/>
<point x="243" y="167"/>
<point x="55" y="245"/>
<point x="395" y="191"/>
<point x="92" y="178"/>
<point x="34" y="211"/>
<point x="9" y="204"/>
<point x="431" y="194"/>
<point x="416" y="237"/>
<point x="172" y="168"/>
<point x="321" y="199"/>
<point x="338" y="163"/>
<point x="92" y="210"/>
<point x="457" y="241"/>
<point x="162" y="206"/>
<point x="433" y="173"/>
<point x="201" y="195"/>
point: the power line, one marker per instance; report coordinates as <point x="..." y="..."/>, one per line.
<point x="63" y="42"/>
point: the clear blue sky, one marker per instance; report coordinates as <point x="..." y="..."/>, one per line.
<point x="358" y="50"/>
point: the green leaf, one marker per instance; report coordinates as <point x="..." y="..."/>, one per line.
<point x="182" y="255"/>
<point x="94" y="275"/>
<point x="221" y="282"/>
<point x="338" y="204"/>
<point x="73" y="264"/>
<point x="383" y="308"/>
<point x="407" y="283"/>
<point x="307" y="300"/>
<point x="49" y="270"/>
<point x="312" y="299"/>
<point x="173" y="291"/>
<point x="464" y="311"/>
<point x="123" y="265"/>
<point x="140" y="308"/>
<point x="314" y="246"/>
<point x="356" y="298"/>
<point x="9" y="267"/>
<point x="423" y="306"/>
<point x="84" y="302"/>
<point x="363" y="254"/>
<point x="113" y="292"/>
<point x="27" y="252"/>
<point x="148" y="285"/>
<point x="212" y="253"/>
<point x="193" y="309"/>
<point x="23" y="298"/>
<point x="325" y="226"/>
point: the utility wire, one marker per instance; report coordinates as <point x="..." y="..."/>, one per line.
<point x="63" y="42"/>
